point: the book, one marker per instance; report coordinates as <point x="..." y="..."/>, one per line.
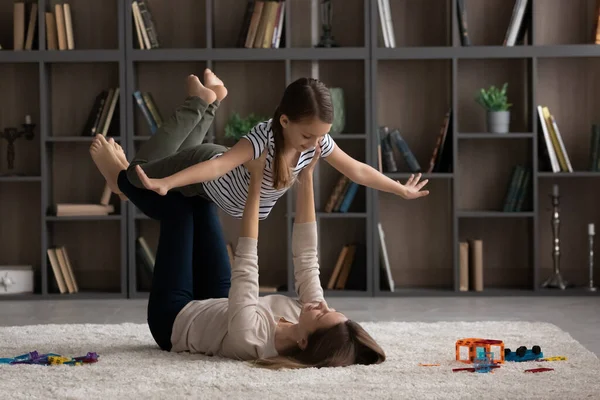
<point x="403" y="148"/>
<point x="476" y="264"/>
<point x="31" y="28"/>
<point x="18" y="25"/>
<point x="384" y="259"/>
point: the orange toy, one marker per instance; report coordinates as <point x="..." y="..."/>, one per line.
<point x="469" y="349"/>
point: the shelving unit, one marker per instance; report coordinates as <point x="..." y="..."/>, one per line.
<point x="57" y="89"/>
<point x="557" y="67"/>
<point x="410" y="87"/>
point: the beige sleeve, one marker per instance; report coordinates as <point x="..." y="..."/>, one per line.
<point x="243" y="293"/>
<point x="306" y="262"/>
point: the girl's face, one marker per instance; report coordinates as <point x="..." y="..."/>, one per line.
<point x="304" y="135"/>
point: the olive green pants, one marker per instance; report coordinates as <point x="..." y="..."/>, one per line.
<point x="177" y="144"/>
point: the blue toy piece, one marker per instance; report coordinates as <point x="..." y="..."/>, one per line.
<point x="523" y="354"/>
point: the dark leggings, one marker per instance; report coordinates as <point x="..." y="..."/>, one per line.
<point x="191" y="259"/>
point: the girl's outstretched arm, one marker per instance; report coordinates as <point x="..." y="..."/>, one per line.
<point x="240" y="153"/>
<point x="365" y="175"/>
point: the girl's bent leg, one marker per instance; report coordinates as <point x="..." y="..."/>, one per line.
<point x="198" y="134"/>
<point x="173" y="132"/>
<point x="172" y="280"/>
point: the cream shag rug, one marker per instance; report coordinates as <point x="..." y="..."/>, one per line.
<point x="131" y="366"/>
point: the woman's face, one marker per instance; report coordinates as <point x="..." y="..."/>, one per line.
<point x="315" y="316"/>
<point x="304" y="135"/>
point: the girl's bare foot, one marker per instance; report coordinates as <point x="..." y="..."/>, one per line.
<point x="120" y="153"/>
<point x="107" y="162"/>
<point x="213" y="83"/>
<point x="196" y="88"/>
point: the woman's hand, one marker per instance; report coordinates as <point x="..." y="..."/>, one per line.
<point x="412" y="187"/>
<point x="257" y="166"/>
<point x="309" y="169"/>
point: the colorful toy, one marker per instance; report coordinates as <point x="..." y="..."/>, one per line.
<point x="470" y="349"/>
<point x="523" y="354"/>
<point x="534" y="370"/>
<point x="556" y="358"/>
<point x="50" y="359"/>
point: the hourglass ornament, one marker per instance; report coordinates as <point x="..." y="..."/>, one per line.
<point x="327" y="39"/>
<point x="11" y="135"/>
<point x="556" y="280"/>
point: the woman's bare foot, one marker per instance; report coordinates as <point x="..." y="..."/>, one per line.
<point x="196" y="88"/>
<point x="215" y="84"/>
<point x="106" y="160"/>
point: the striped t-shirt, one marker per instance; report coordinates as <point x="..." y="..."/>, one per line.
<point x="230" y="191"/>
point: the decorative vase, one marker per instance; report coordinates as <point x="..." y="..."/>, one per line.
<point x="339" y="112"/>
<point x="498" y="121"/>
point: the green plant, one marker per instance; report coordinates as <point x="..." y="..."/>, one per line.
<point x="493" y="99"/>
<point x="237" y="126"/>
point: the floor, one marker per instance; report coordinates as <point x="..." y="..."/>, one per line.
<point x="579" y="316"/>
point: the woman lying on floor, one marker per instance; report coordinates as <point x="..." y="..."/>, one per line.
<point x="198" y="304"/>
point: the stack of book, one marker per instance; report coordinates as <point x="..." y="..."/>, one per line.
<point x="471" y="265"/>
<point x="342" y="195"/>
<point x="555" y="153"/>
<point x="350" y="269"/>
<point x="24" y="14"/>
<point x="59" y="28"/>
<point x="104" y="114"/>
<point x="263" y="25"/>
<point x="392" y="143"/>
<point x="73" y="209"/>
<point x="62" y="270"/>
<point x="518" y="26"/>
<point x="148" y="107"/>
<point x="144" y="25"/>
<point x="518" y="189"/>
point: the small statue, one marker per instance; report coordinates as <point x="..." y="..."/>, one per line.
<point x="11" y="135"/>
<point x="327" y="39"/>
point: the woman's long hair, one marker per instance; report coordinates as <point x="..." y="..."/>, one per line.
<point x="304" y="98"/>
<point x="344" y="344"/>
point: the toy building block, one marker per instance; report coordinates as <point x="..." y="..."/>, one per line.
<point x="534" y="370"/>
<point x="523" y="354"/>
<point x="555" y="358"/>
<point x="470" y="349"/>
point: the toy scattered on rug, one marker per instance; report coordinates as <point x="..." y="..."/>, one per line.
<point x="524" y="354"/>
<point x="483" y="363"/>
<point x="50" y="359"/>
<point x="534" y="370"/>
<point x="481" y="352"/>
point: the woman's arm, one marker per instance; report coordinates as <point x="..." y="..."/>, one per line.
<point x="240" y="153"/>
<point x="304" y="238"/>
<point x="244" y="290"/>
<point x="365" y="175"/>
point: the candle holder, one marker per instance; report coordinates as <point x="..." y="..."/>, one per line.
<point x="327" y="39"/>
<point x="556" y="280"/>
<point x="11" y="135"/>
<point x="591" y="233"/>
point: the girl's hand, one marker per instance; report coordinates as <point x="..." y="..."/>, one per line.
<point x="160" y="186"/>
<point x="412" y="187"/>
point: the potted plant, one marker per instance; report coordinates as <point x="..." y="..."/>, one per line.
<point x="237" y="126"/>
<point x="496" y="103"/>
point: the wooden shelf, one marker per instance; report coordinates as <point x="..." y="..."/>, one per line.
<point x="556" y="66"/>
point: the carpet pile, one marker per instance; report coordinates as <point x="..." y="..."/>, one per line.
<point x="131" y="366"/>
